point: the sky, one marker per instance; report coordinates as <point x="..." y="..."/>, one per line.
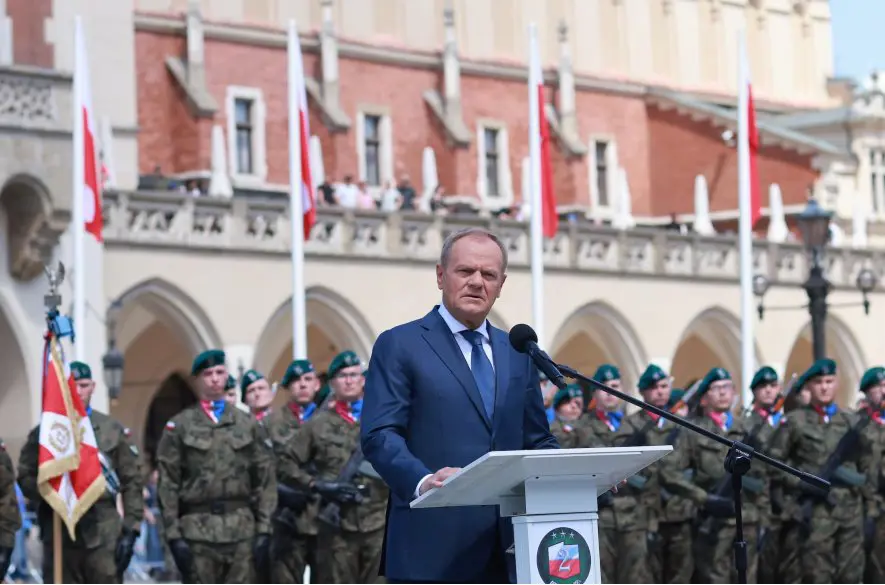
<point x="858" y="42"/>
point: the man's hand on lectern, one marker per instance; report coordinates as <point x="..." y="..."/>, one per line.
<point x="436" y="480"/>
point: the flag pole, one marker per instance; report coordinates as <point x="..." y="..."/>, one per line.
<point x="745" y="229"/>
<point x="51" y="301"/>
<point x="299" y="310"/>
<point x="78" y="221"/>
<point x="56" y="549"/>
<point x="537" y="212"/>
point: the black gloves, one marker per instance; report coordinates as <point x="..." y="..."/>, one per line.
<point x="5" y="558"/>
<point x="719" y="507"/>
<point x="869" y="533"/>
<point x="125" y="548"/>
<point x="292" y="498"/>
<point x="653" y="540"/>
<point x="184" y="560"/>
<point x="261" y="554"/>
<point x="338" y="491"/>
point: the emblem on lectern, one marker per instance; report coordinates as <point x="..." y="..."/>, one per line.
<point x="563" y="557"/>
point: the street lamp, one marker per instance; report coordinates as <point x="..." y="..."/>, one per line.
<point x="113" y="361"/>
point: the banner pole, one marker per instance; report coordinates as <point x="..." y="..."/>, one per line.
<point x="56" y="549"/>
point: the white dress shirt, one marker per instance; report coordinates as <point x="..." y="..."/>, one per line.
<point x="456" y="327"/>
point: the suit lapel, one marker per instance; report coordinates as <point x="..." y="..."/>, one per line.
<point x="501" y="354"/>
<point x="442" y="342"/>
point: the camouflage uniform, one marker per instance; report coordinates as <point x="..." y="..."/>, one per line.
<point x="91" y="557"/>
<point x="216" y="491"/>
<point x="565" y="433"/>
<point x="10" y="521"/>
<point x="874" y="529"/>
<point x="831" y="547"/>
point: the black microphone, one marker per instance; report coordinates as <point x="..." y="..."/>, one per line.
<point x="524" y="340"/>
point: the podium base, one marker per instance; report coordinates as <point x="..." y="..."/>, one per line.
<point x="557" y="548"/>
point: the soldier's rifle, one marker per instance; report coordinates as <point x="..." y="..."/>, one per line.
<point x="710" y="525"/>
<point x="640" y="437"/>
<point x="330" y="513"/>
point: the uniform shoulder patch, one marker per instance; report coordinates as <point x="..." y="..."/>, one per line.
<point x="134" y="450"/>
<point x="127" y="432"/>
<point x="170" y="424"/>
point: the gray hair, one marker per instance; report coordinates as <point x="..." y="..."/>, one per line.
<point x="453" y="237"/>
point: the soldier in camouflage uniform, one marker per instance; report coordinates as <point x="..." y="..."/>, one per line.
<point x="830" y="542"/>
<point x="216" y="489"/>
<point x="10" y="521"/>
<point x="714" y="553"/>
<point x="329" y="441"/>
<point x="872" y="384"/>
<point x="295" y="529"/>
<point x="568" y="406"/>
<point x="230" y="390"/>
<point x="766" y="389"/>
<point x="105" y="542"/>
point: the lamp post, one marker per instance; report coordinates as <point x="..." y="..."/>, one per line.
<point x="113" y="360"/>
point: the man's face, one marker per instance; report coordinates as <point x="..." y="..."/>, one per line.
<point x="570" y="409"/>
<point x="85" y="388"/>
<point x="719" y="396"/>
<point x="212" y="381"/>
<point x="304" y="389"/>
<point x="472" y="279"/>
<point x="259" y="395"/>
<point x="823" y="389"/>
<point x="606" y="400"/>
<point x="766" y="395"/>
<point x="347" y="383"/>
<point x="875" y="394"/>
<point x="659" y="394"/>
<point x="805" y="395"/>
<point x="230" y="396"/>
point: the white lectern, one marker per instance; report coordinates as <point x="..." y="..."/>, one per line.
<point x="551" y="495"/>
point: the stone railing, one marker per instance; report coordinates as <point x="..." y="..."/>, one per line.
<point x="261" y="225"/>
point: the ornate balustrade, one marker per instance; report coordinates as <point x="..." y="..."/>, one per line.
<point x="261" y="226"/>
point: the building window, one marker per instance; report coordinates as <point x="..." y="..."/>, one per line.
<point x="246" y="116"/>
<point x="601" y="155"/>
<point x="492" y="162"/>
<point x="877" y="180"/>
<point x="372" y="149"/>
<point x="243" y="124"/>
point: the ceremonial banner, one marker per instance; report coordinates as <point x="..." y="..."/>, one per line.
<point x="69" y="473"/>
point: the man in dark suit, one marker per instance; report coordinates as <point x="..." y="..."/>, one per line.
<point x="441" y="392"/>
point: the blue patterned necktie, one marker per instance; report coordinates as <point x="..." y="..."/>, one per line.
<point x="218" y="408"/>
<point x="482" y="369"/>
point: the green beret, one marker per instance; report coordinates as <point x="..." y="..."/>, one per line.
<point x="765" y="375"/>
<point x="249" y="377"/>
<point x="567" y="393"/>
<point x="231" y="383"/>
<point x="208" y="359"/>
<point x="651" y="376"/>
<point x="872" y="377"/>
<point x="714" y="375"/>
<point x="606" y="373"/>
<point x="81" y="371"/>
<point x="822" y="367"/>
<point x="295" y="370"/>
<point x="345" y="359"/>
<point x="676" y="394"/>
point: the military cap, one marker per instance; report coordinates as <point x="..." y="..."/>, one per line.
<point x="208" y="359"/>
<point x="765" y="375"/>
<point x="567" y="393"/>
<point x="345" y="359"/>
<point x="295" y="370"/>
<point x="676" y="394"/>
<point x="821" y="367"/>
<point x="651" y="376"/>
<point x="231" y="383"/>
<point x="249" y="377"/>
<point x="714" y="375"/>
<point x="872" y="377"/>
<point x="81" y="371"/>
<point x="606" y="373"/>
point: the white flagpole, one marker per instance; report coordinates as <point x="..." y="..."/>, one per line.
<point x="745" y="231"/>
<point x="299" y="310"/>
<point x="77" y="192"/>
<point x="537" y="218"/>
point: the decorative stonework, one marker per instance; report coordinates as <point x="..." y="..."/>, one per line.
<point x="26" y="100"/>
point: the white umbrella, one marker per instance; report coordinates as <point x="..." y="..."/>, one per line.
<point x="777" y="223"/>
<point x="702" y="223"/>
<point x="624" y="214"/>
<point x="429" y="175"/>
<point x="219" y="180"/>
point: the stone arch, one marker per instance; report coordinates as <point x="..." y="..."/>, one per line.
<point x="159" y="329"/>
<point x="17" y="408"/>
<point x="33" y="227"/>
<point x="597" y="333"/>
<point x="333" y="325"/>
<point x="842" y="346"/>
<point x="712" y="339"/>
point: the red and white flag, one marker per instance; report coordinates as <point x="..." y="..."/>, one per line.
<point x="69" y="474"/>
<point x="91" y="187"/>
<point x="752" y="145"/>
<point x="299" y="105"/>
<point x="542" y="166"/>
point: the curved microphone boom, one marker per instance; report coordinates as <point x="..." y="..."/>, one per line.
<point x="524" y="340"/>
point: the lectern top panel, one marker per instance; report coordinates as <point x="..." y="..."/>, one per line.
<point x="501" y="474"/>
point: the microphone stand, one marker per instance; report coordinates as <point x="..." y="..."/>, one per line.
<point x="737" y="460"/>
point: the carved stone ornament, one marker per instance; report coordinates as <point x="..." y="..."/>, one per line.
<point x="27" y="100"/>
